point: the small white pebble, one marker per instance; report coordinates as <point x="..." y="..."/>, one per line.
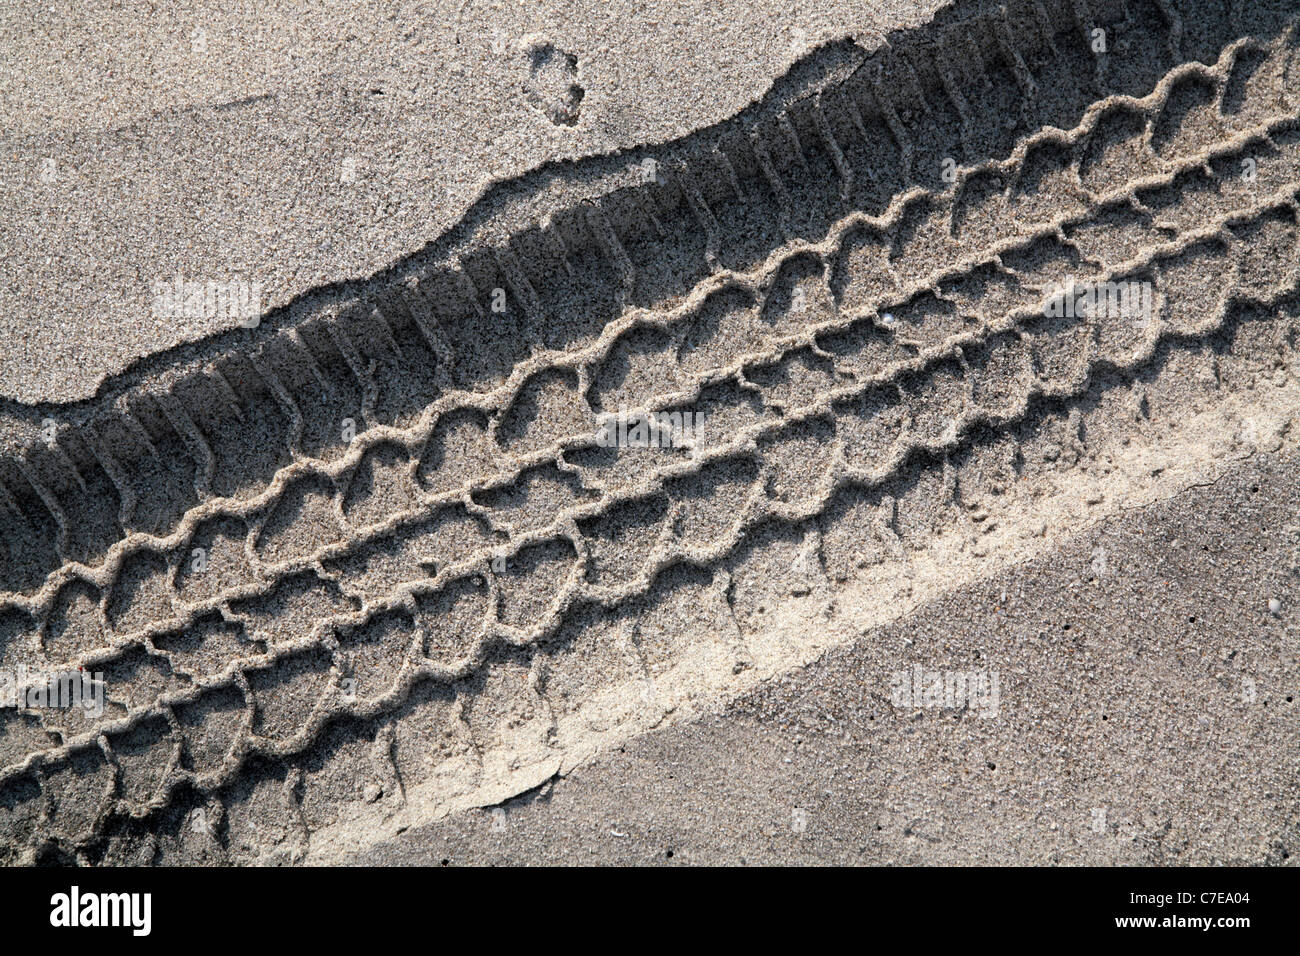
<point x="1274" y="606"/>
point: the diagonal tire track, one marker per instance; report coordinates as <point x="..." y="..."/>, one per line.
<point x="542" y="584"/>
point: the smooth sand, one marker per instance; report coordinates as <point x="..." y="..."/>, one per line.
<point x="225" y="157"/>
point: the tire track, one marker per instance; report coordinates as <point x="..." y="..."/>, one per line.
<point x="485" y="632"/>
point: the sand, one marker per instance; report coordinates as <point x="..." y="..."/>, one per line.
<point x="1147" y="717"/>
<point x="210" y="142"/>
<point x="359" y="575"/>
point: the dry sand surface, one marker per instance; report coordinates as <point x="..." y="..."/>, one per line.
<point x="303" y="144"/>
<point x="1147" y="716"/>
<point x="967" y="530"/>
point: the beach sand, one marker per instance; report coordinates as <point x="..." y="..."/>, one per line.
<point x="981" y="544"/>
